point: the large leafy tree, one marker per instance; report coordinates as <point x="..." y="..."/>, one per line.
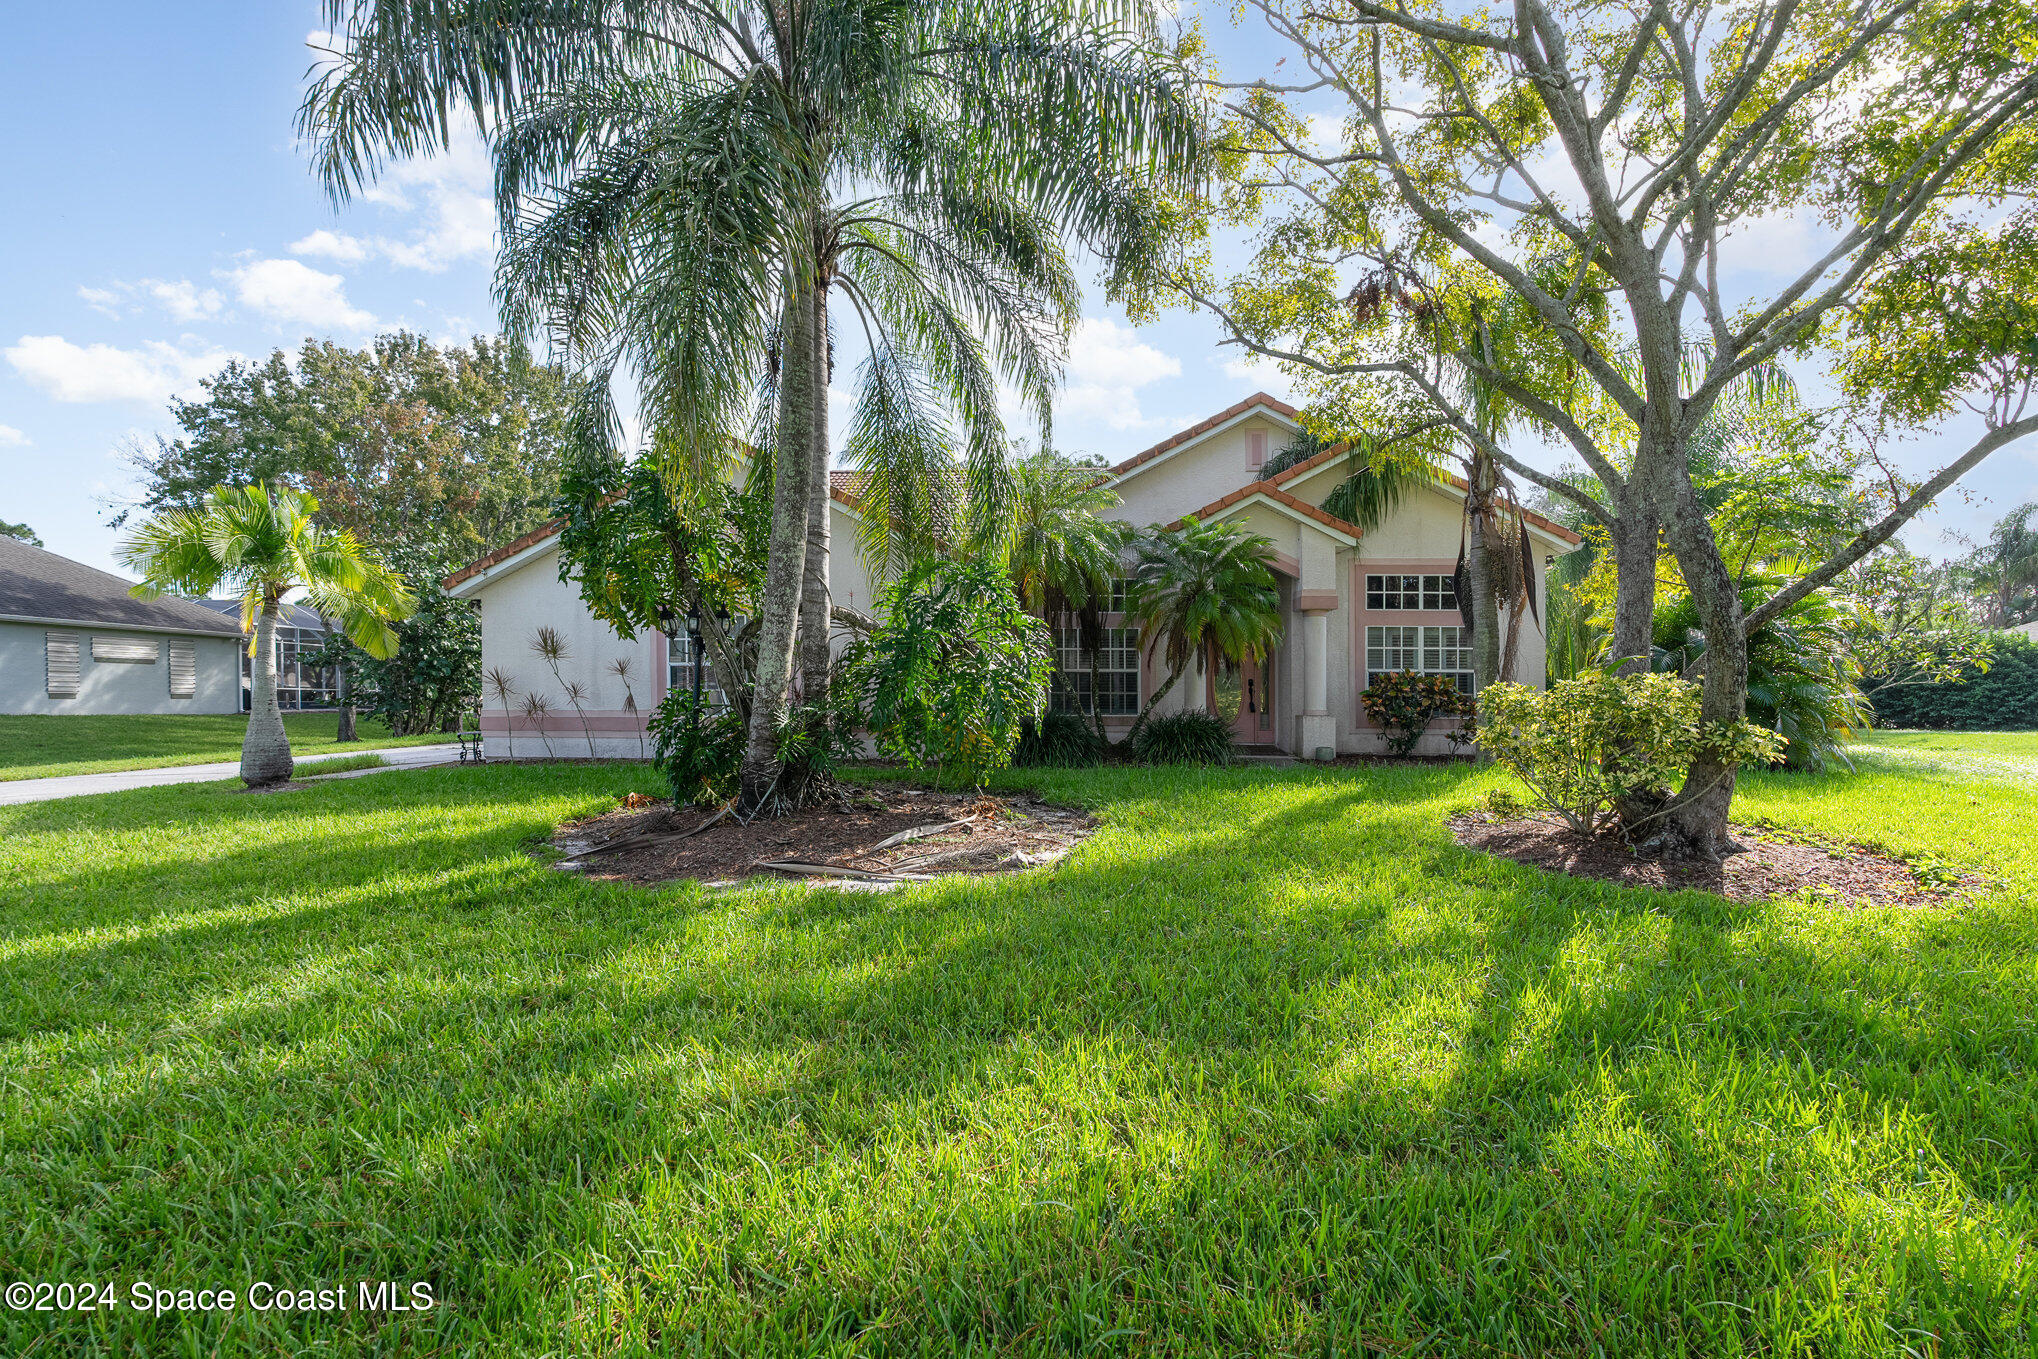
<point x="260" y="543"/>
<point x="402" y="442"/>
<point x="684" y="185"/>
<point x="431" y="454"/>
<point x="1594" y="162"/>
<point x="1203" y="592"/>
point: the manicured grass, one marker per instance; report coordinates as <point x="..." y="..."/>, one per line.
<point x="45" y="747"/>
<point x="1957" y="754"/>
<point x="339" y="764"/>
<point x="1269" y="1067"/>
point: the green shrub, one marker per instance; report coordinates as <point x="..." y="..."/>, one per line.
<point x="2002" y="698"/>
<point x="1589" y="744"/>
<point x="699" y="758"/>
<point x="1404" y="704"/>
<point x="952" y="671"/>
<point x="1184" y="738"/>
<point x="1058" y="741"/>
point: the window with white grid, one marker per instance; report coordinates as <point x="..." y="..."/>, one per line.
<point x="1427" y="651"/>
<point x="1411" y="592"/>
<point x="1117" y="672"/>
<point x="679" y="669"/>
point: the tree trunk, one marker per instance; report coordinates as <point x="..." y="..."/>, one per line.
<point x="1634" y="603"/>
<point x="1479" y="567"/>
<point x="1097" y="682"/>
<point x="265" y="750"/>
<point x="786" y="553"/>
<point x="1151" y="704"/>
<point x="815" y="598"/>
<point x="346" y="727"/>
<point x="1695" y="825"/>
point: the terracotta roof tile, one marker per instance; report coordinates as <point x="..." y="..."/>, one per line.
<point x="1309" y="465"/>
<point x="1202" y="427"/>
<point x="1274" y="493"/>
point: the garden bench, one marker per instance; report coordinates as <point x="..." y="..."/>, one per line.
<point x="470" y="747"/>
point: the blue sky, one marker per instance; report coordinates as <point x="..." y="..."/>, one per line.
<point x="165" y="219"/>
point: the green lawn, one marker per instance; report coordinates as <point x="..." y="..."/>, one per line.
<point x="43" y="747"/>
<point x="1269" y="1067"/>
<point x="1989" y="754"/>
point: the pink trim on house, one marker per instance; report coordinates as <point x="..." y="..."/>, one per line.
<point x="1316" y="601"/>
<point x="602" y="722"/>
<point x="1362" y="617"/>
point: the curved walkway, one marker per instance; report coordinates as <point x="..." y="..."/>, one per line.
<point x="120" y="780"/>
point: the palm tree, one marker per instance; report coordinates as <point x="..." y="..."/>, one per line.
<point x="684" y="183"/>
<point x="1064" y="555"/>
<point x="2005" y="569"/>
<point x="1204" y="590"/>
<point x="260" y="543"/>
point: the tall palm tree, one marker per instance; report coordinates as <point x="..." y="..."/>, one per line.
<point x="259" y="543"/>
<point x="1204" y="590"/>
<point x="684" y="183"/>
<point x="2005" y="569"/>
<point x="1064" y="555"/>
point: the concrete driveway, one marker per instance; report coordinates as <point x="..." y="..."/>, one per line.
<point x="81" y="785"/>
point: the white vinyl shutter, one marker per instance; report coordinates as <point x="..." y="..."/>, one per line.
<point x="60" y="659"/>
<point x="183" y="667"/>
<point x="138" y="650"/>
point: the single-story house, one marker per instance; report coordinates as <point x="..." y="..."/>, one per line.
<point x="73" y="640"/>
<point x="299" y="632"/>
<point x="1357" y="603"/>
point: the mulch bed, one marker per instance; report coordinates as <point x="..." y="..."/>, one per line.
<point x="951" y="833"/>
<point x="1775" y="865"/>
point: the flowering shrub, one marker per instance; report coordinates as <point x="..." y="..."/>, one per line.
<point x="1404" y="704"/>
<point x="1590" y="744"/>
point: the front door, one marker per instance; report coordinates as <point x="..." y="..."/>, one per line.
<point x="1244" y="698"/>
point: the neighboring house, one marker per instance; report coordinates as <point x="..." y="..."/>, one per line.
<point x="1355" y="603"/>
<point x="299" y="632"/>
<point x="73" y="640"/>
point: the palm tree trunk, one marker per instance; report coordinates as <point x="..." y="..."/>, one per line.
<point x="815" y="600"/>
<point x="785" y="560"/>
<point x="347" y="730"/>
<point x="1151" y="704"/>
<point x="1097" y="685"/>
<point x="265" y="750"/>
<point x="1479" y="565"/>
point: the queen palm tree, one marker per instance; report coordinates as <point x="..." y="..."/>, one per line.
<point x="684" y="183"/>
<point x="259" y="543"/>
<point x="1064" y="556"/>
<point x="1205" y="590"/>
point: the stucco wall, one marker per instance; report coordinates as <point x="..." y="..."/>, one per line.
<point x="516" y="603"/>
<point x="1188" y="478"/>
<point x="115" y="686"/>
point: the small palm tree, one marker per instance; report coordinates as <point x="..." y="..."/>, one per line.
<point x="1064" y="556"/>
<point x="504" y="688"/>
<point x="260" y="543"/>
<point x="1204" y="590"/>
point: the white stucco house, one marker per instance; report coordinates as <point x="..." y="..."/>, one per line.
<point x="73" y="640"/>
<point x="1355" y="602"/>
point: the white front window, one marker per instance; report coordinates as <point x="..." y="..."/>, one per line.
<point x="1411" y="592"/>
<point x="1425" y="650"/>
<point x="1117" y="672"/>
<point x="680" y="667"/>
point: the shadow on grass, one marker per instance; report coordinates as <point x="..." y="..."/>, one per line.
<point x="1269" y="1065"/>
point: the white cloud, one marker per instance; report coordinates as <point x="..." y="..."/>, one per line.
<point x="1261" y="374"/>
<point x="81" y="374"/>
<point x="455" y="192"/>
<point x="294" y="293"/>
<point x="10" y="437"/>
<point x="1108" y="364"/>
<point x="332" y="245"/>
<point x="185" y="300"/>
<point x="101" y="300"/>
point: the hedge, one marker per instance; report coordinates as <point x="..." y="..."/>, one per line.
<point x="2005" y="698"/>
